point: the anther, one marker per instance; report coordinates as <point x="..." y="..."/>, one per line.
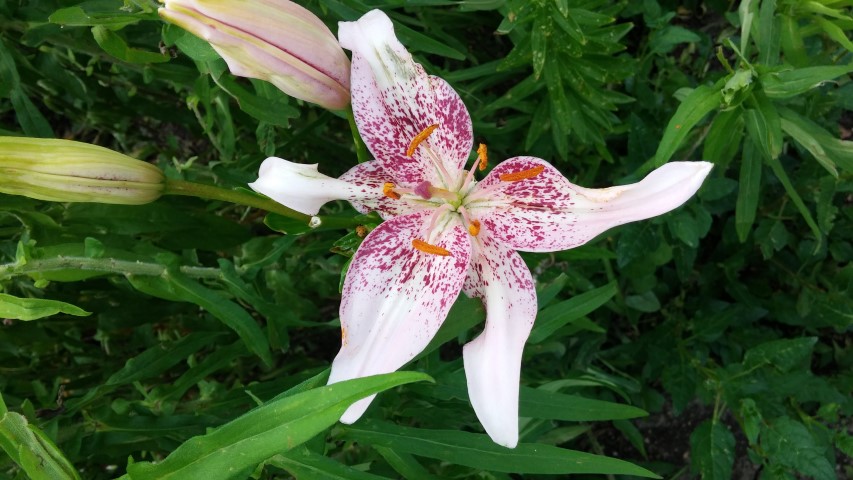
<point x="522" y="175"/>
<point x="420" y="138"/>
<point x="483" y="156"/>
<point x="429" y="248"/>
<point x="474" y="227"/>
<point x="388" y="191"/>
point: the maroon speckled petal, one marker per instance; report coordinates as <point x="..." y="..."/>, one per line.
<point x="395" y="297"/>
<point x="499" y="276"/>
<point x="370" y="177"/>
<point x="548" y="213"/>
<point x="394" y="100"/>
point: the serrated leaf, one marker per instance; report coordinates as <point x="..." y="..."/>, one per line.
<point x="712" y="451"/>
<point x="782" y="355"/>
<point x="788" y="442"/>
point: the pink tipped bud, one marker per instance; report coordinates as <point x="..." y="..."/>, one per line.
<point x="273" y="40"/>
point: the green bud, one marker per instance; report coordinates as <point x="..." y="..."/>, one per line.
<point x="68" y="171"/>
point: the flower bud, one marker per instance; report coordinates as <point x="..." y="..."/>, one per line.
<point x="273" y="40"/>
<point x="68" y="171"/>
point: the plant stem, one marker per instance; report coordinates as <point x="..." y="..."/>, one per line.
<point x="104" y="265"/>
<point x="211" y="192"/>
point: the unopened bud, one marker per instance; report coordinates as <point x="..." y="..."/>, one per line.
<point x="273" y="40"/>
<point x="69" y="171"/>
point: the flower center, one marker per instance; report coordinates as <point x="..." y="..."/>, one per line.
<point x="448" y="200"/>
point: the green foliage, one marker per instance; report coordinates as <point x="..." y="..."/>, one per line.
<point x="191" y="338"/>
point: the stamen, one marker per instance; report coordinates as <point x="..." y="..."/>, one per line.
<point x="482" y="156"/>
<point x="388" y="191"/>
<point x="431" y="249"/>
<point x="522" y="175"/>
<point x="473" y="225"/>
<point x="474" y="228"/>
<point x="420" y="138"/>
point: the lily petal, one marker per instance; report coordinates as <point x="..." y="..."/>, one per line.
<point x="304" y="189"/>
<point x="371" y="177"/>
<point x="396" y="297"/>
<point x="547" y="212"/>
<point x="393" y="100"/>
<point x="499" y="276"/>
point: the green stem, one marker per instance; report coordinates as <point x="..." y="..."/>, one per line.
<point x="360" y="148"/>
<point x="211" y="192"/>
<point x="104" y="265"/>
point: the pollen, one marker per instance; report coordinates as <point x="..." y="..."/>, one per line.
<point x="429" y="248"/>
<point x="343" y="336"/>
<point x="474" y="228"/>
<point x="420" y="138"/>
<point x="388" y="191"/>
<point x="483" y="156"/>
<point x="522" y="175"/>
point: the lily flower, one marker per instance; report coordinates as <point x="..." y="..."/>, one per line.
<point x="444" y="231"/>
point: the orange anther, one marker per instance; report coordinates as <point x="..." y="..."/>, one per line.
<point x="420" y="138"/>
<point x="429" y="248"/>
<point x="474" y="228"/>
<point x="388" y="191"/>
<point x="522" y="175"/>
<point x="343" y="336"/>
<point x="483" y="156"/>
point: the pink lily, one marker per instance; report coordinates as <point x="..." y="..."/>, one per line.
<point x="444" y="231"/>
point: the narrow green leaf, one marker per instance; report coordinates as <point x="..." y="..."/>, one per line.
<point x="764" y="125"/>
<point x="835" y="32"/>
<point x="554" y="317"/>
<point x="35" y="308"/>
<point x="746" y="11"/>
<point x="768" y="39"/>
<point x="159" y="358"/>
<point x="405" y="464"/>
<point x="28" y="446"/>
<point x="77" y="17"/>
<point x="29" y="117"/>
<point x="790" y="83"/>
<point x="228" y="312"/>
<point x="113" y="44"/>
<point x="780" y="173"/>
<point x="305" y="465"/>
<point x="700" y="102"/>
<point x="478" y="451"/>
<point x="839" y="152"/>
<point x="792" y="41"/>
<point x="749" y="186"/>
<point x="712" y="450"/>
<point x="265" y="431"/>
<point x="810" y="143"/>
